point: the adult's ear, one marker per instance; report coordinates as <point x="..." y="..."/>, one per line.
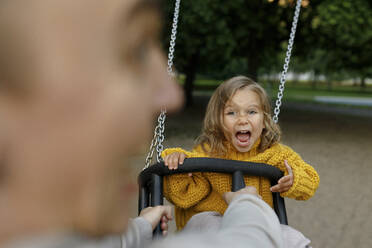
<point x="14" y="72"/>
<point x="9" y="113"/>
<point x="3" y="167"/>
<point x="4" y="151"/>
<point x="16" y="57"/>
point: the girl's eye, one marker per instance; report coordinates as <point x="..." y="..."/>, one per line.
<point x="230" y="113"/>
<point x="252" y="112"/>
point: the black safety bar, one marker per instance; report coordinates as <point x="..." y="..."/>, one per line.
<point x="150" y="180"/>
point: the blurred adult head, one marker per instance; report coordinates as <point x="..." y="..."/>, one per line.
<point x="80" y="84"/>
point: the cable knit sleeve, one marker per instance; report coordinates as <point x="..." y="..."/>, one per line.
<point x="182" y="190"/>
<point x="305" y="178"/>
<point x="169" y="151"/>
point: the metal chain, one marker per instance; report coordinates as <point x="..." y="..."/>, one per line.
<point x="161" y="136"/>
<point x="158" y="139"/>
<point x="152" y="149"/>
<point x="173" y="37"/>
<point x="286" y="62"/>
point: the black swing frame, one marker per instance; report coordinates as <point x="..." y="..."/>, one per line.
<point x="150" y="180"/>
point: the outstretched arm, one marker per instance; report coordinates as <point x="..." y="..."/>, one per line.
<point x="140" y="229"/>
<point x="248" y="222"/>
<point x="138" y="235"/>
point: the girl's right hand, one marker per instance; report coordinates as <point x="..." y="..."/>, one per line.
<point x="174" y="159"/>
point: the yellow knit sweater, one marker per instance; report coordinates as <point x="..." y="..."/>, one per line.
<point x="203" y="191"/>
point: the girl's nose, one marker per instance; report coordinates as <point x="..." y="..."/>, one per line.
<point x="243" y="119"/>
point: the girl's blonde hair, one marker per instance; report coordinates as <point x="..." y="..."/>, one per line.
<point x="212" y="138"/>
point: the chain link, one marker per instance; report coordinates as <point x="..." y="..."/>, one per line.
<point x="283" y="76"/>
<point x="158" y="139"/>
<point x="161" y="136"/>
<point x="152" y="149"/>
<point x="173" y="37"/>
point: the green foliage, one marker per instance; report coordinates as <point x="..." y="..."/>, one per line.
<point x="230" y="37"/>
<point x="343" y="31"/>
<point x="201" y="31"/>
<point x="334" y="37"/>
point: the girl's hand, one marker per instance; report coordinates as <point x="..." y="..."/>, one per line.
<point x="284" y="183"/>
<point x="173" y="160"/>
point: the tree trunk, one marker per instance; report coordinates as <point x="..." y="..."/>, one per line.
<point x="314" y="80"/>
<point x="313" y="83"/>
<point x="253" y="59"/>
<point x="329" y="85"/>
<point x="296" y="79"/>
<point x="190" y="78"/>
<point x="363" y="82"/>
<point x="253" y="65"/>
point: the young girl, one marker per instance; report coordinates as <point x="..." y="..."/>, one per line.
<point x="238" y="126"/>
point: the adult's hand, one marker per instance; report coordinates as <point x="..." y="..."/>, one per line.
<point x="229" y="196"/>
<point x="157" y="214"/>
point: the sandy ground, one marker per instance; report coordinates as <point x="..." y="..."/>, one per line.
<point x="340" y="149"/>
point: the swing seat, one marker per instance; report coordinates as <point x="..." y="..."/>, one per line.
<point x="150" y="180"/>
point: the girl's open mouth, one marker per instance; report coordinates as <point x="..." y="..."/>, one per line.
<point x="243" y="137"/>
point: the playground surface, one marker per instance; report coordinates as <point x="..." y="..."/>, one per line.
<point x="340" y="148"/>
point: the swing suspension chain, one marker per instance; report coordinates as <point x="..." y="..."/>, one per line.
<point x="158" y="139"/>
<point x="283" y="76"/>
<point x="173" y="37"/>
<point x="152" y="149"/>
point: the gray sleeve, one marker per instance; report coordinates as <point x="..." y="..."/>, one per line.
<point x="139" y="234"/>
<point x="248" y="222"/>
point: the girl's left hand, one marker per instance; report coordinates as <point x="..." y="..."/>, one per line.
<point x="284" y="183"/>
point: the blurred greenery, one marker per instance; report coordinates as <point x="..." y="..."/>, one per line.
<point x="345" y="31"/>
<point x="218" y="39"/>
<point x="299" y="92"/>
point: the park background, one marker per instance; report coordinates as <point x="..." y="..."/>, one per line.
<point x="327" y="107"/>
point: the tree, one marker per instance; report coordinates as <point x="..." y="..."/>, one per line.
<point x="203" y="40"/>
<point x="343" y="31"/>
<point x="217" y="36"/>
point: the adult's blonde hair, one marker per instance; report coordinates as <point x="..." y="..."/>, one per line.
<point x="212" y="138"/>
